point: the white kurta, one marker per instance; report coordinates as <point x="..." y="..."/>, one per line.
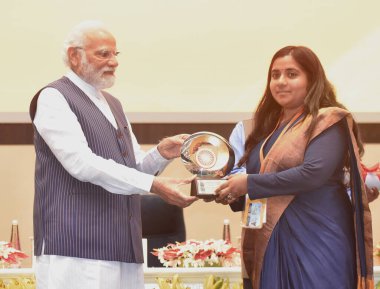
<point x="237" y="141"/>
<point x="61" y="131"/>
<point x="58" y="272"/>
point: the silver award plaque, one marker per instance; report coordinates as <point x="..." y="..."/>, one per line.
<point x="210" y="157"/>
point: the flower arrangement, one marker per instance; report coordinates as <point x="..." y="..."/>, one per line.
<point x="192" y="253"/>
<point x="371" y="175"/>
<point x="9" y="255"/>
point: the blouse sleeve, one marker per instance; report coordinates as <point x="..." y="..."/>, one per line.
<point x="324" y="155"/>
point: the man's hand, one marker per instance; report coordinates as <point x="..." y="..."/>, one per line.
<point x="167" y="189"/>
<point x="170" y="147"/>
<point x="231" y="190"/>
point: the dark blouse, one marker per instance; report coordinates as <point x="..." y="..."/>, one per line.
<point x="322" y="165"/>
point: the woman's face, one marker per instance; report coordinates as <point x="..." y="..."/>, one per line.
<point x="288" y="83"/>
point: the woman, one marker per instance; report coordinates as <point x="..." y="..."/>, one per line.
<point x="311" y="235"/>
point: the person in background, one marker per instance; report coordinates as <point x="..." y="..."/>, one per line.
<point x="91" y="172"/>
<point x="311" y="235"/>
<point x="237" y="141"/>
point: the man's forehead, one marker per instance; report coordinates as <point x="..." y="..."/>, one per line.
<point x="97" y="37"/>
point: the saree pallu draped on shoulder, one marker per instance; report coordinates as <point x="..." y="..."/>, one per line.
<point x="289" y="152"/>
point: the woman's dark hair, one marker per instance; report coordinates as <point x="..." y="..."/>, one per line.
<point x="320" y="93"/>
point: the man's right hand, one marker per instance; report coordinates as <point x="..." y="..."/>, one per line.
<point x="167" y="189"/>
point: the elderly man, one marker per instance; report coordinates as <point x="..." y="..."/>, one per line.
<point x="90" y="173"/>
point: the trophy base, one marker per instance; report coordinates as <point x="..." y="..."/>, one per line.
<point x="204" y="188"/>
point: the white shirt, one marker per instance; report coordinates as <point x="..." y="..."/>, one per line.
<point x="237" y="141"/>
<point x="61" y="131"/>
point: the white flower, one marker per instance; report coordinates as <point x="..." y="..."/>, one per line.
<point x="194" y="253"/>
<point x="9" y="254"/>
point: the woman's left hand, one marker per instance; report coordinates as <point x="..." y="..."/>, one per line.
<point x="232" y="189"/>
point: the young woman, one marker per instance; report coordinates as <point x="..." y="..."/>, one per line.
<point x="304" y="230"/>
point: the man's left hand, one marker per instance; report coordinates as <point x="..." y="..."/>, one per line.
<point x="170" y="147"/>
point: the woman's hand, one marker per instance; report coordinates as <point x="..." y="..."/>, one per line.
<point x="232" y="189"/>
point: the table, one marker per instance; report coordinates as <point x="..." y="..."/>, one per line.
<point x="192" y="277"/>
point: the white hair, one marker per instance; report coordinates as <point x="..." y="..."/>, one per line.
<point x="76" y="37"/>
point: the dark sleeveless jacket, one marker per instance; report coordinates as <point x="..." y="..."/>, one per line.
<point x="80" y="219"/>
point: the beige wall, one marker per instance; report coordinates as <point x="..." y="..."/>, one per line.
<point x="203" y="220"/>
<point x="176" y="50"/>
<point x="16" y="195"/>
<point x="371" y="157"/>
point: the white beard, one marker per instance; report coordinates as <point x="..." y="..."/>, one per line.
<point x="95" y="77"/>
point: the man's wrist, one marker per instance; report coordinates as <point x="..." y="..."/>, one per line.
<point x="160" y="151"/>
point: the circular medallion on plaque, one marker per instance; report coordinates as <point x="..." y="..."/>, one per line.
<point x="210" y="157"/>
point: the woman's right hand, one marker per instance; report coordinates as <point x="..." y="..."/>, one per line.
<point x="232" y="189"/>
